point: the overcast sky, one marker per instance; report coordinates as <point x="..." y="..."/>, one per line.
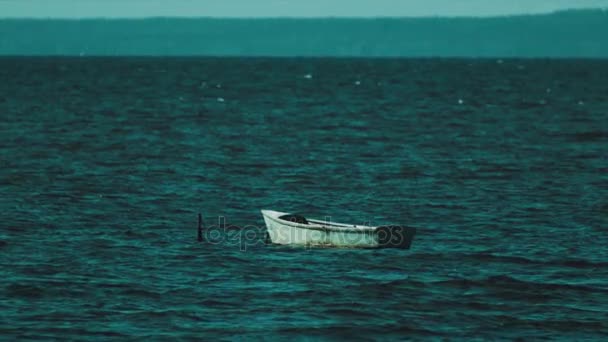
<point x="282" y="8"/>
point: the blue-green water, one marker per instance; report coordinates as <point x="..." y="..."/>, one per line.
<point x="501" y="165"/>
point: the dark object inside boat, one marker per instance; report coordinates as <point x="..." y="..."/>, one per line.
<point x="294" y="218"/>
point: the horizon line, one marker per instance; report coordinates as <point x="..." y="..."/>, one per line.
<point x="234" y="56"/>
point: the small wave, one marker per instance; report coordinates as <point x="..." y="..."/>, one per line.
<point x="410" y="172"/>
<point x="490" y="257"/>
<point x="590" y="136"/>
<point x="483" y="256"/>
<point x="134" y="292"/>
<point x="505" y="282"/>
<point x="468" y="257"/>
<point x="212" y="303"/>
<point x="447" y="206"/>
<point x="382" y="288"/>
<point x="350" y="313"/>
<point x="580" y="263"/>
<point x="560" y="325"/>
<point x="530" y="104"/>
<point x="24" y="291"/>
<point x="347" y="331"/>
<point x="576" y="263"/>
<point x="59" y="333"/>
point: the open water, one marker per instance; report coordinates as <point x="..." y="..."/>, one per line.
<point x="105" y="162"/>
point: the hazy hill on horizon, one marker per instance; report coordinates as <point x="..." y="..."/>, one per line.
<point x="577" y="34"/>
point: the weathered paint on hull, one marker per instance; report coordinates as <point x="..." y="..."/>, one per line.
<point x="288" y="235"/>
<point x="318" y="233"/>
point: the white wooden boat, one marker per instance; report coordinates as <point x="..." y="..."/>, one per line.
<point x="291" y="229"/>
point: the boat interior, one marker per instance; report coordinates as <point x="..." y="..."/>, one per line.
<point x="297" y="218"/>
<point x="294" y="218"/>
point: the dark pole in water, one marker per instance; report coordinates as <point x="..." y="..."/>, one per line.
<point x="200" y="227"/>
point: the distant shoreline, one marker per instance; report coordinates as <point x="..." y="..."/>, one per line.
<point x="562" y="34"/>
<point x="493" y="16"/>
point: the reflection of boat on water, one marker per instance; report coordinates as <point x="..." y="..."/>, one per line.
<point x="292" y="229"/>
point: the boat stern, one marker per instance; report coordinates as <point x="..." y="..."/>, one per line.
<point x="395" y="236"/>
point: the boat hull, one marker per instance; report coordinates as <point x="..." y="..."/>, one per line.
<point x="289" y="233"/>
